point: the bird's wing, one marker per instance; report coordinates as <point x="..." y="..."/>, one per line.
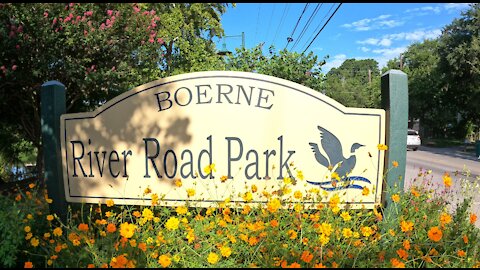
<point x="331" y="145"/>
<point x="320" y="158"/>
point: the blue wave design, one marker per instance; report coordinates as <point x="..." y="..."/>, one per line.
<point x="339" y="183"/>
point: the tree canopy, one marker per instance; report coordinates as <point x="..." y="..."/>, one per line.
<point x="97" y="50"/>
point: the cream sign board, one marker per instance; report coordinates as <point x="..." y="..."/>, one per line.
<point x="207" y="136"/>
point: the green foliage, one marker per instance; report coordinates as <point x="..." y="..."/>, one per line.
<point x="11" y="234"/>
<point x="292" y="66"/>
<point x="349" y="84"/>
<point x="279" y="233"/>
<point x="459" y="52"/>
<point x="97" y="50"/>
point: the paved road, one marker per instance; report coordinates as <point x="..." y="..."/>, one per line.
<point x="453" y="160"/>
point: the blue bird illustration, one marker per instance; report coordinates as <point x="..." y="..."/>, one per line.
<point x="335" y="158"/>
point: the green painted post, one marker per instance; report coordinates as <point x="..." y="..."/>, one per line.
<point x="394" y="87"/>
<point x="52" y="105"/>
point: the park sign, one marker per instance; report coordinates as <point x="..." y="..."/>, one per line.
<point x="207" y="136"/>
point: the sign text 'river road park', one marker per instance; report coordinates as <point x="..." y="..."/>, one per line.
<point x="220" y="134"/>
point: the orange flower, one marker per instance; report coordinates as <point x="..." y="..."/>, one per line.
<point x="365" y="191"/>
<point x="28" y="265"/>
<point x="396" y="198"/>
<point x="465" y="239"/>
<point x="319" y="265"/>
<point x="91" y="265"/>
<point x="402" y="254"/>
<point x="415" y="192"/>
<point x="110" y="203"/>
<point x="461" y="253"/>
<point x="83" y="227"/>
<point x="142" y="246"/>
<point x="445" y="218"/>
<point x="473" y="218"/>
<point x="111" y="228"/>
<point x="406" y="244"/>
<point x="307" y="256"/>
<point x="274" y="223"/>
<point x="396" y="263"/>
<point x="435" y="234"/>
<point x="164" y="260"/>
<point x="395" y="164"/>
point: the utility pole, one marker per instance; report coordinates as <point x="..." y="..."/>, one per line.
<point x="401" y="61"/>
<point x="369" y="76"/>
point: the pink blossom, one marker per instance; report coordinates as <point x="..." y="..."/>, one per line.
<point x="71" y="4"/>
<point x="102" y="26"/>
<point x="45" y="14"/>
<point x="88" y="13"/>
<point x="85" y="32"/>
<point x="17" y="46"/>
<point x="109" y="12"/>
<point x="54" y="21"/>
<point x="14" y="67"/>
<point x="146" y="13"/>
<point x="136" y="9"/>
<point x="113" y="68"/>
<point x="159" y="40"/>
<point x="3" y="68"/>
<point x="11" y="34"/>
<point x="152" y="12"/>
<point x="151" y="40"/>
<point x="20" y="29"/>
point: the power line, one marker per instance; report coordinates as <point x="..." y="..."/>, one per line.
<point x="289" y="39"/>
<point x="271" y="17"/>
<point x="314" y="13"/>
<point x="322" y="27"/>
<point x="281" y="22"/>
<point x="320" y="23"/>
<point x="258" y="19"/>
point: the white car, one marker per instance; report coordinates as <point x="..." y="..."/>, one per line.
<point x="413" y="139"/>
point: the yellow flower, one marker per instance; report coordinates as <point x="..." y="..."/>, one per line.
<point x="172" y="223"/>
<point x="396" y="198"/>
<point x="334" y="201"/>
<point x="292" y="234"/>
<point x="395" y="164"/>
<point x="50" y="217"/>
<point x="324" y="239"/>
<point x="209" y="168"/>
<point x="347" y="232"/>
<point x="445" y="218"/>
<point x="181" y="210"/>
<point x="300" y="175"/>
<point x="447" y="180"/>
<point x="223" y="178"/>
<point x="57" y="231"/>
<point x="287" y="180"/>
<point x="154" y="199"/>
<point x="27" y="229"/>
<point x="273" y="205"/>
<point x="34" y="241"/>
<point x="225" y="251"/>
<point x="366" y="231"/>
<point x="335" y="176"/>
<point x="346" y="216"/>
<point x="110" y="203"/>
<point x="178" y="182"/>
<point x="164" y="261"/>
<point x="147" y="191"/>
<point x="190" y="192"/>
<point x="29" y="235"/>
<point x="298" y="194"/>
<point x="31" y="185"/>
<point x="326" y="228"/>
<point x="247" y="197"/>
<point x="382" y="147"/>
<point x="212" y="258"/>
<point x="406" y="226"/>
<point x="365" y="191"/>
<point x="127" y="230"/>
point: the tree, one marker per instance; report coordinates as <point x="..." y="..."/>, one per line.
<point x="427" y="100"/>
<point x="304" y="69"/>
<point x="97" y="50"/>
<point x="459" y="63"/>
<point x="355" y="83"/>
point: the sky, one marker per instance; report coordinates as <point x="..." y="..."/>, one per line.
<point x="380" y="31"/>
